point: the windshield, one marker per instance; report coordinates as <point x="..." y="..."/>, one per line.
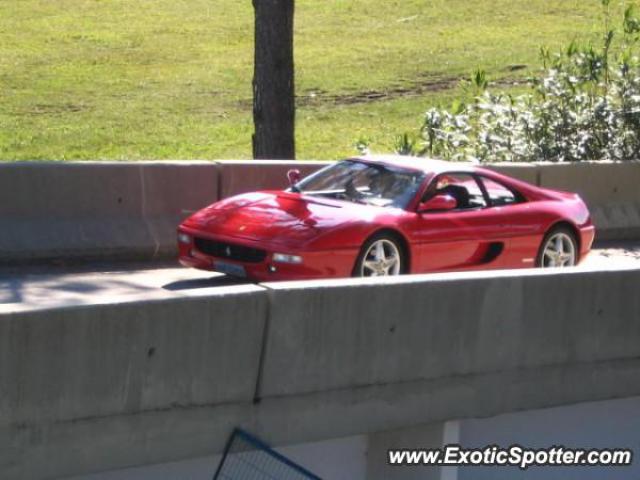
<point x="362" y="182"/>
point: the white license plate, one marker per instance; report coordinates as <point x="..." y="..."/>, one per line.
<point x="229" y="269"/>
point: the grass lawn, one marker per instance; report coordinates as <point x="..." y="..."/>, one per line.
<point x="160" y="79"/>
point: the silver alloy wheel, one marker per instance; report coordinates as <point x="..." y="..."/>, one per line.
<point x="381" y="259"/>
<point x="559" y="251"/>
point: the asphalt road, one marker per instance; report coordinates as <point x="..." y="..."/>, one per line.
<point x="40" y="287"/>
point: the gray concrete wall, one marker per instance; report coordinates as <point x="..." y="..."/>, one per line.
<point x="79" y="211"/>
<point x="103" y="210"/>
<point x="89" y="386"/>
<point x="250" y="175"/>
<point x="355" y="335"/>
<point x="610" y="189"/>
<point x="82" y="390"/>
<point x="527" y="172"/>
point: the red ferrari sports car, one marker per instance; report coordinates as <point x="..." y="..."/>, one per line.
<point x="388" y="215"/>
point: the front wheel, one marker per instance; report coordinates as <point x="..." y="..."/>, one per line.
<point x="381" y="256"/>
<point x="558" y="249"/>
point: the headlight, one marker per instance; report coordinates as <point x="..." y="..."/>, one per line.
<point x="184" y="238"/>
<point x="285" y="258"/>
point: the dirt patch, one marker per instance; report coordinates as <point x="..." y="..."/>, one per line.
<point x="414" y="89"/>
<point x="417" y="88"/>
<point x="55" y="109"/>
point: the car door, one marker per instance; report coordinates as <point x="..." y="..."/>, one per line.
<point x="522" y="235"/>
<point x="471" y="236"/>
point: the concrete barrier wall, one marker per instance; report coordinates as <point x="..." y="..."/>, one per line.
<point x="93" y="388"/>
<point x="105" y="210"/>
<point x="247" y="176"/>
<point x="610" y="189"/>
<point x="433" y="348"/>
<point x="77" y="384"/>
<point x="130" y="210"/>
<point x="526" y="172"/>
<point x="354" y="335"/>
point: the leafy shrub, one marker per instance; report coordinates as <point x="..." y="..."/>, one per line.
<point x="584" y="106"/>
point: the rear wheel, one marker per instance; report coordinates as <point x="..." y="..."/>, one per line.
<point x="381" y="256"/>
<point x="558" y="249"/>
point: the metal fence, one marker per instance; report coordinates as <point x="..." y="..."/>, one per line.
<point x="248" y="458"/>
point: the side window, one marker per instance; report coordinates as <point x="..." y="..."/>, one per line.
<point x="499" y="194"/>
<point x="461" y="186"/>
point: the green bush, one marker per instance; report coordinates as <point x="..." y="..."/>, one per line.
<point x="584" y="106"/>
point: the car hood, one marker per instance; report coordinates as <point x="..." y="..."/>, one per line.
<point x="277" y="217"/>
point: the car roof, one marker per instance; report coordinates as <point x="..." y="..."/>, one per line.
<point x="427" y="165"/>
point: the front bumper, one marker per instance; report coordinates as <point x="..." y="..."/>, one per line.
<point x="315" y="264"/>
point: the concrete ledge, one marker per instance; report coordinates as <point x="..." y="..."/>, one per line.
<point x="376" y="408"/>
<point x="48" y="451"/>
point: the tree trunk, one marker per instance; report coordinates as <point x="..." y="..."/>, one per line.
<point x="273" y="80"/>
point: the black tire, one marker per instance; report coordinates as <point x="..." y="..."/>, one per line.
<point x="565" y="233"/>
<point x="390" y="242"/>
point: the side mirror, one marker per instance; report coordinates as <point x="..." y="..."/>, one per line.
<point x="439" y="203"/>
<point x="294" y="176"/>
